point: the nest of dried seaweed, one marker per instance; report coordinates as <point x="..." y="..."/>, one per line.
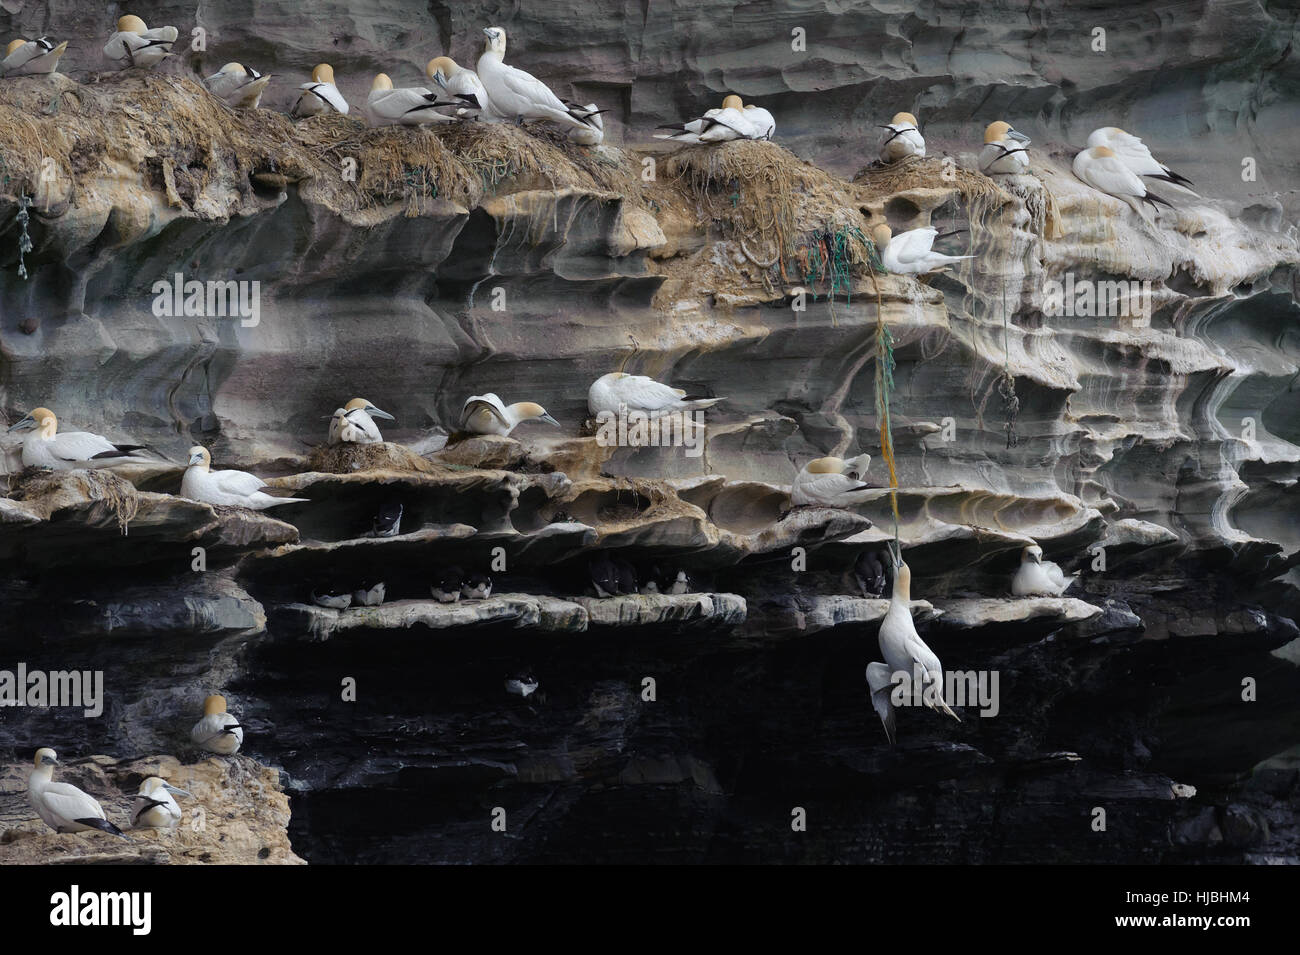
<point x="113" y="498"/>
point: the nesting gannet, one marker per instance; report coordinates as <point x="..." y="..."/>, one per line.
<point x="681" y="584"/>
<point x="63" y="807"/>
<point x="869" y="572"/>
<point x="462" y="84"/>
<point x="409" y="106"/>
<point x="45" y="447"/>
<point x="690" y="132"/>
<point x="32" y="56"/>
<point x="476" y="587"/>
<point x="525" y="684"/>
<point x="1135" y="154"/>
<point x="320" y="95"/>
<point x="594" y="134"/>
<point x="354" y="423"/>
<point x="831" y="482"/>
<point x="154" y="806"/>
<point x="333" y="598"/>
<point x="388" y="522"/>
<point x="911" y="252"/>
<point x="638" y="393"/>
<point x="1004" y="152"/>
<point x="231" y="488"/>
<point x="446" y="586"/>
<point x="761" y="123"/>
<point x="1102" y="169"/>
<point x="1038" y="576"/>
<point x="729" y="123"/>
<point x="238" y="87"/>
<point x="903" y="138"/>
<point x="518" y="95"/>
<point x="134" y="44"/>
<point x="486" y="414"/>
<point x="218" y="732"/>
<point x="904" y="651"/>
<point x="369" y="595"/>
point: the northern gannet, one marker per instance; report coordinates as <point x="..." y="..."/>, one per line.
<point x="320" y="95"/>
<point x="831" y="482"/>
<point x="690" y="132"/>
<point x="369" y="595"/>
<point x="136" y="45"/>
<point x="869" y="572"/>
<point x="238" y="87"/>
<point x="594" y="134"/>
<point x="409" y="106"/>
<point x="761" y="123"/>
<point x="32" y="56"/>
<point x="462" y="84"/>
<point x="1037" y="576"/>
<point x="63" y="807"/>
<point x="638" y="393"/>
<point x="486" y="414"/>
<point x="525" y="684"/>
<point x="1135" y="154"/>
<point x="729" y="123"/>
<point x="1004" y="152"/>
<point x="446" y="586"/>
<point x="218" y="732"/>
<point x="229" y="488"/>
<point x="354" y="423"/>
<point x="903" y="138"/>
<point x="904" y="651"/>
<point x="476" y="586"/>
<point x="154" y="806"/>
<point x="45" y="447"/>
<point x="517" y="95"/>
<point x="911" y="252"/>
<point x="1102" y="169"/>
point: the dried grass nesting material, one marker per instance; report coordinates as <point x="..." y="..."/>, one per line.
<point x="115" y="498"/>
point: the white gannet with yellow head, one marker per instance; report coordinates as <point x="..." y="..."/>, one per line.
<point x="1004" y="152"/>
<point x="907" y="658"/>
<point x="911" y="252"/>
<point x="730" y="122"/>
<point x="487" y="414"/>
<point x="1038" y="576"/>
<point x="1135" y="154"/>
<point x="154" y="807"/>
<point x="831" y="482"/>
<point x="136" y="45"/>
<point x="690" y="132"/>
<point x="1101" y="168"/>
<point x="32" y="56"/>
<point x="619" y="390"/>
<point x="218" y="732"/>
<point x="902" y="138"/>
<point x="410" y="106"/>
<point x="320" y="96"/>
<point x="237" y="86"/>
<point x="45" y="447"/>
<point x="462" y="84"/>
<point x="517" y="95"/>
<point x="229" y="488"/>
<point x="63" y="807"/>
<point x="354" y="423"/>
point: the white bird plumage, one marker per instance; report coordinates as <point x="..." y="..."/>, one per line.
<point x="1101" y="168"/>
<point x="354" y="423"/>
<point x="227" y="488"/>
<point x="46" y="447"/>
<point x="1004" y="152"/>
<point x="518" y="95"/>
<point x="619" y="390"/>
<point x="487" y="414"/>
<point x="32" y="57"/>
<point x="218" y="732"/>
<point x="408" y="106"/>
<point x="463" y="84"/>
<point x="62" y="806"/>
<point x="831" y="482"/>
<point x="911" y="252"/>
<point x="237" y="86"/>
<point x="154" y="807"/>
<point x="1038" y="576"/>
<point x="136" y="45"/>
<point x="690" y="132"/>
<point x="1135" y="155"/>
<point x="902" y="138"/>
<point x="320" y="96"/>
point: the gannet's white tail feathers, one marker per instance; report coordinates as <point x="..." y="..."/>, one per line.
<point x="878" y="678"/>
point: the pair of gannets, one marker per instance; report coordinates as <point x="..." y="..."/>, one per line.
<point x="1038" y="576"/>
<point x="354" y="423"/>
<point x="218" y="732"/>
<point x="903" y="139"/>
<point x="134" y="44"/>
<point x="32" y="57"/>
<point x="487" y="414"/>
<point x="1004" y="152"/>
<point x="229" y="488"/>
<point x="904" y="652"/>
<point x="732" y="120"/>
<point x="1116" y="163"/>
<point x="1134" y="154"/>
<point x="237" y="86"/>
<point x="831" y="482"/>
<point x="912" y="252"/>
<point x="45" y="447"/>
<point x="520" y="96"/>
<point x="619" y="391"/>
<point x="408" y="106"/>
<point x="320" y="96"/>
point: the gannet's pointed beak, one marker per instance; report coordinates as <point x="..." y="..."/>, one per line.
<point x="487" y="32"/>
<point x="27" y="421"/>
<point x="173" y="789"/>
<point x="1018" y="137"/>
<point x="379" y="414"/>
<point x="549" y="420"/>
<point x="49" y="759"/>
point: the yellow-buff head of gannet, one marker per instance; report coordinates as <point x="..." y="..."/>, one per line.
<point x="323" y="73"/>
<point x="881" y="235"/>
<point x="1033" y="553"/>
<point x="45" y="761"/>
<point x="902" y="580"/>
<point x="996" y="132"/>
<point x="213" y="705"/>
<point x="363" y="404"/>
<point x="903" y="118"/>
<point x="40" y="418"/>
<point x="155" y="783"/>
<point x="130" y="24"/>
<point x="443" y="66"/>
<point x="826" y="466"/>
<point x="733" y="102"/>
<point x="13" y="45"/>
<point x="234" y="68"/>
<point x="496" y="40"/>
<point x="200" y="457"/>
<point x="381" y="82"/>
<point x="1100" y="152"/>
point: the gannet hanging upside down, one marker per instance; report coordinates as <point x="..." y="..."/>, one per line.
<point x="518" y="95"/>
<point x="1102" y="169"/>
<point x="1038" y="576"/>
<point x="238" y="87"/>
<point x="911" y="252"/>
<point x="229" y="488"/>
<point x="904" y="651"/>
<point x="31" y="57"/>
<point x="1004" y="152"/>
<point x="46" y="448"/>
<point x="136" y="45"/>
<point x="154" y="806"/>
<point x="831" y="482"/>
<point x="903" y="139"/>
<point x="320" y="96"/>
<point x="63" y="807"/>
<point x="356" y="423"/>
<point x="485" y="414"/>
<point x="218" y="732"/>
<point x="619" y="390"/>
<point x="1135" y="154"/>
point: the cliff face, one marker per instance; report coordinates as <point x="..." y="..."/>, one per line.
<point x="1162" y="428"/>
